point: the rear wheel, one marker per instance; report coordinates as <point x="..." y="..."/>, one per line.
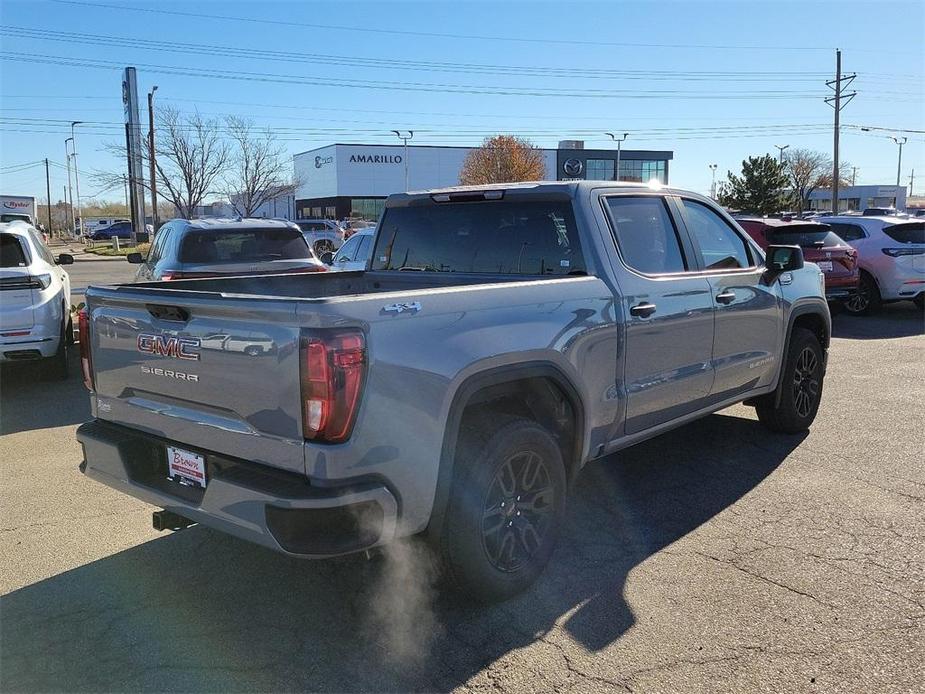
<point x="506" y="506"/>
<point x="920" y="301"/>
<point x="866" y="298"/>
<point x="324" y="246"/>
<point x="793" y="406"/>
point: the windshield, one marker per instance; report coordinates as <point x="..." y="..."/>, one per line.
<point x="805" y="235"/>
<point x="509" y="238"/>
<point x="913" y="232"/>
<point x="4" y="218"/>
<point x="243" y="245"/>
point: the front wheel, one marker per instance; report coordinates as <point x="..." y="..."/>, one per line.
<point x="793" y="406"/>
<point x="506" y="506"/>
<point x="865" y="299"/>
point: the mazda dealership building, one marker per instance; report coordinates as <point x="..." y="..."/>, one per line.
<point x="352" y="181"/>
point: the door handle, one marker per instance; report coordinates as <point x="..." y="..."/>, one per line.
<point x="643" y="310"/>
<point x="726" y="297"/>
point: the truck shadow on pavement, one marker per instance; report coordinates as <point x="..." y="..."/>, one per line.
<point x="902" y="319"/>
<point x="197" y="610"/>
<point x="28" y="401"/>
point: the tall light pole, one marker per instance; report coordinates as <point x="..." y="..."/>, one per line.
<point x="854" y="174"/>
<point x="151" y="157"/>
<point x="405" y="138"/>
<point x="713" y="183"/>
<point x="899" y="164"/>
<point x="70" y="192"/>
<point x="77" y="174"/>
<point x="781" y="148"/>
<point x="619" y="141"/>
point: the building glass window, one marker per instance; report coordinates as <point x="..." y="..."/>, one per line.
<point x="600" y="169"/>
<point x="643" y="171"/>
<point x="366" y="208"/>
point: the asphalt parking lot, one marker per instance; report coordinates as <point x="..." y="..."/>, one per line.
<point x="718" y="557"/>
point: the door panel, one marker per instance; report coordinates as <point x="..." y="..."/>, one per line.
<point x="669" y="329"/>
<point x="748" y="314"/>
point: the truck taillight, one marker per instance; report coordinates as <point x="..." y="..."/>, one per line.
<point x="83" y="335"/>
<point x="333" y="366"/>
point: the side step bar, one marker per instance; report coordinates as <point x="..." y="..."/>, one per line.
<point x="168" y="520"/>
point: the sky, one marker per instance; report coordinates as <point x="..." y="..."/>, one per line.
<point x="714" y="82"/>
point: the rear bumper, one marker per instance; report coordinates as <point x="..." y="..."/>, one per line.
<point x="277" y="509"/>
<point x="28" y="348"/>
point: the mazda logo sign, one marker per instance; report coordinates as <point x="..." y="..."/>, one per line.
<point x="572" y="167"/>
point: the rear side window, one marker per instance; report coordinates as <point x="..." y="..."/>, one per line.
<point x="848" y="232"/>
<point x="529" y="237"/>
<point x="11" y="252"/>
<point x="720" y="246"/>
<point x="906" y="233"/>
<point x="243" y="245"/>
<point x="646" y="236"/>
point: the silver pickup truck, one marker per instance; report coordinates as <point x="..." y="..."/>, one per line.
<point x="501" y="338"/>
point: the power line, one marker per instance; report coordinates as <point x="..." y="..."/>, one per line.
<point x="410" y="86"/>
<point x="440" y="35"/>
<point x="427" y="66"/>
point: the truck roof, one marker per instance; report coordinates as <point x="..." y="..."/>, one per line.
<point x="527" y="188"/>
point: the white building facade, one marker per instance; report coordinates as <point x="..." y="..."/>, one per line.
<point x="859" y="198"/>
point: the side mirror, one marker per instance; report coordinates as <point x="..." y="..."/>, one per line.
<point x="64" y="259"/>
<point x="135" y="258"/>
<point x="783" y="259"/>
<point x="327" y="257"/>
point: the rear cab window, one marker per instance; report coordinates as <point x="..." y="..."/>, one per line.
<point x="12" y="253"/>
<point x="242" y="245"/>
<point x="504" y="237"/>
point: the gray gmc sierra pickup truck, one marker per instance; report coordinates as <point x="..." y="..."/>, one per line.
<point x="501" y="337"/>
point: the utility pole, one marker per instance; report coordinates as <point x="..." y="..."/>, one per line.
<point x="619" y="141"/>
<point x="837" y="85"/>
<point x="77" y="175"/>
<point x="70" y="193"/>
<point x="911" y="181"/>
<point x="899" y="164"/>
<point x="125" y="187"/>
<point x="854" y="174"/>
<point x="405" y="138"/>
<point x="151" y="157"/>
<point x="781" y="148"/>
<point x="48" y="193"/>
<point x="713" y="183"/>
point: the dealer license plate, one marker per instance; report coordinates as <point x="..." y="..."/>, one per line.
<point x="825" y="265"/>
<point x="186" y="467"/>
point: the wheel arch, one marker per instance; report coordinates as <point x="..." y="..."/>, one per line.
<point x="507" y="383"/>
<point x="814" y="317"/>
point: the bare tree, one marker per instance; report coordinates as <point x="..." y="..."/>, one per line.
<point x="259" y="168"/>
<point x="809" y="171"/>
<point x="191" y="154"/>
<point x="503" y="159"/>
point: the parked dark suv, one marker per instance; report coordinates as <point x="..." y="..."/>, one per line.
<point x="185" y="249"/>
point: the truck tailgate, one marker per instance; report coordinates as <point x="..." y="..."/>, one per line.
<point x="214" y="372"/>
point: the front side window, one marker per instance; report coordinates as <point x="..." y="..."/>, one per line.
<point x="646" y="236"/>
<point x="721" y="248"/>
<point x="363" y="253"/>
<point x="349" y="250"/>
<point x="517" y="237"/>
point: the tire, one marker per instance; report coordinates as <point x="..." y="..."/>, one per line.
<point x="324" y="246"/>
<point x="493" y="543"/>
<point x="69" y="330"/>
<point x="800" y="389"/>
<point x="866" y="299"/>
<point x="920" y="302"/>
<point x="56" y="367"/>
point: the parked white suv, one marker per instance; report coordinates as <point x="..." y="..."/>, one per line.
<point x="35" y="300"/>
<point x="891" y="254"/>
<point x="354" y="254"/>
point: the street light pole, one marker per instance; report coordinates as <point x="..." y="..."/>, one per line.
<point x="619" y="141"/>
<point x="781" y="148"/>
<point x="77" y="174"/>
<point x="151" y="157"/>
<point x="713" y="183"/>
<point x="405" y="138"/>
<point x="70" y="192"/>
<point x="899" y="164"/>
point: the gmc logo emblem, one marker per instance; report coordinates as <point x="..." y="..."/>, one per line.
<point x="175" y="347"/>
